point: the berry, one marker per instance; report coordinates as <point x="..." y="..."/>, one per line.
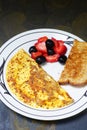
<point x="60" y="42"/>
<point x="49" y="43"/>
<point x="60" y="50"/>
<point x="50" y="52"/>
<point x="56" y="43"/>
<point x="40" y="46"/>
<point x="52" y="58"/>
<point x="32" y="49"/>
<point x="40" y="59"/>
<point x="35" y="54"/>
<point x="42" y="39"/>
<point x="62" y="59"/>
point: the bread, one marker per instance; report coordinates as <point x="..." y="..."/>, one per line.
<point x="75" y="70"/>
<point x="32" y="85"/>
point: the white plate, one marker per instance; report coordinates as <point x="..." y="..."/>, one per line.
<point x="25" y="40"/>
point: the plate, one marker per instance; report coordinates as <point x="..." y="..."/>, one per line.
<point x="25" y="40"/>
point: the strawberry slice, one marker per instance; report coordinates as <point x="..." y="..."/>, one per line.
<point x="42" y="39"/>
<point x="61" y="42"/>
<point x="52" y="58"/>
<point x="60" y="50"/>
<point x="56" y="43"/>
<point x="40" y="46"/>
<point x="34" y="55"/>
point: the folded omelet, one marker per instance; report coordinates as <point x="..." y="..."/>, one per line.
<point x="32" y="85"/>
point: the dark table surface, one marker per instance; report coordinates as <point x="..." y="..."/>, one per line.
<point x="17" y="16"/>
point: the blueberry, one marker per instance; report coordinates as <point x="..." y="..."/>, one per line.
<point x="50" y="51"/>
<point x="49" y="43"/>
<point x="40" y="59"/>
<point x="62" y="59"/>
<point x="32" y="49"/>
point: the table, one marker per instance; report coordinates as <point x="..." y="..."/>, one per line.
<point x="22" y="15"/>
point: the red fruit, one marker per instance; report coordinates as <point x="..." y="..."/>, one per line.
<point x="34" y="55"/>
<point x="56" y="43"/>
<point x="52" y="58"/>
<point x="61" y="42"/>
<point x="60" y="50"/>
<point x="42" y="39"/>
<point x="40" y="46"/>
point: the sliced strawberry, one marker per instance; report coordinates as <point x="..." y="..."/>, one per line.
<point x="52" y="58"/>
<point x="40" y="46"/>
<point x="42" y="39"/>
<point x="34" y="55"/>
<point x="55" y="42"/>
<point x="60" y="50"/>
<point x="61" y="42"/>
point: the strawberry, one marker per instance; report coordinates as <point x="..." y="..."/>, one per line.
<point x="52" y="58"/>
<point x="56" y="43"/>
<point x="42" y="39"/>
<point x="61" y="42"/>
<point x="40" y="46"/>
<point x="51" y="49"/>
<point x="34" y="55"/>
<point x="60" y="50"/>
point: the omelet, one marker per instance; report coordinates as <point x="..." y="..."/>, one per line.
<point x="32" y="85"/>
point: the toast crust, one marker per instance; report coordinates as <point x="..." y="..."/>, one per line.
<point x="75" y="70"/>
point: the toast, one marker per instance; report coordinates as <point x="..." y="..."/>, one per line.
<point x="32" y="85"/>
<point x="75" y="70"/>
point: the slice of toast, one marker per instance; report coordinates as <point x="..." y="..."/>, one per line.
<point x="75" y="70"/>
<point x="32" y="85"/>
